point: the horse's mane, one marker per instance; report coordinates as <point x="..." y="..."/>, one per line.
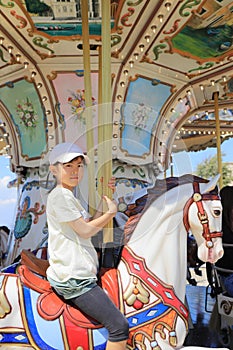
<point x="226" y="195"/>
<point x="161" y="186"/>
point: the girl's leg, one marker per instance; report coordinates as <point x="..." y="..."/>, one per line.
<point x="97" y="305"/>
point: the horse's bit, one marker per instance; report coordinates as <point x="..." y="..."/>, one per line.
<point x="198" y="198"/>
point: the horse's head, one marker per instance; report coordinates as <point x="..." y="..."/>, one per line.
<point x="203" y="217"/>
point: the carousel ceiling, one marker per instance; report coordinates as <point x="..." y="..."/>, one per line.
<point x="171" y="73"/>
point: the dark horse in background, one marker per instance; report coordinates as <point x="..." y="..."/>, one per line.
<point x="221" y="274"/>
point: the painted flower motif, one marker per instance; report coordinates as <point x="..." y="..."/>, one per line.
<point x="140" y="116"/>
<point x="78" y="104"/>
<point x="27" y="114"/>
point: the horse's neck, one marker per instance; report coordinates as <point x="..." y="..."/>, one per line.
<point x="160" y="238"/>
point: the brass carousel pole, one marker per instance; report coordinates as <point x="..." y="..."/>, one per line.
<point x="100" y="128"/>
<point x="100" y="159"/>
<point x="106" y="106"/>
<point x="219" y="155"/>
<point x="88" y="110"/>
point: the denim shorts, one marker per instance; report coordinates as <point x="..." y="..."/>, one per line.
<point x="73" y="287"/>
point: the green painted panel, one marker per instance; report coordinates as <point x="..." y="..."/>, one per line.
<point x="22" y="101"/>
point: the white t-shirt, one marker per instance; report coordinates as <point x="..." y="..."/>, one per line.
<point x="70" y="256"/>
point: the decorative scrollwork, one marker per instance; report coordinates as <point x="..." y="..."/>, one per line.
<point x="38" y="41"/>
<point x="139" y="171"/>
<point x="61" y="117"/>
<point x="8" y="5"/>
<point x="22" y="20"/>
<point x="125" y="17"/>
<point x="146" y="59"/>
<point x="131" y="3"/>
<point x="173" y="29"/>
<point x="206" y="66"/>
<point x="53" y="75"/>
<point x="188" y="5"/>
<point x="115" y="39"/>
<point x="157" y="51"/>
<point x="53" y="41"/>
<point x="133" y="183"/>
<point x="119" y="168"/>
<point x="226" y="305"/>
<point x="2" y="56"/>
<point x="119" y="30"/>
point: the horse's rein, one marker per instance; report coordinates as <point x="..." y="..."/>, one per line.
<point x="197" y="197"/>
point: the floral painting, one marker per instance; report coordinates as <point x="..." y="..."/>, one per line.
<point x="140" y="113"/>
<point x="78" y="104"/>
<point x="26" y="113"/>
<point x="70" y="92"/>
<point x="28" y="117"/>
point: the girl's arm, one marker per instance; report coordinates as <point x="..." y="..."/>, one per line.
<point x="99" y="210"/>
<point x="112" y="186"/>
<point x="89" y="229"/>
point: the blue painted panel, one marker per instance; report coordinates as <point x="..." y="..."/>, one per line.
<point x="140" y="114"/>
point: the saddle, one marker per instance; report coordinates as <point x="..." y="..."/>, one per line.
<point x="35" y="264"/>
<point x="50" y="305"/>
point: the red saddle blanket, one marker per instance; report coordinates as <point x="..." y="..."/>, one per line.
<point x="50" y="306"/>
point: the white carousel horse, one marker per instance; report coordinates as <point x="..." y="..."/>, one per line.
<point x="148" y="284"/>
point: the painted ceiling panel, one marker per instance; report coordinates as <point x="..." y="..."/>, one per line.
<point x="21" y="99"/>
<point x="186" y="45"/>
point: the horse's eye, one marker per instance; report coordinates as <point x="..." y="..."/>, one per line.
<point x="217" y="212"/>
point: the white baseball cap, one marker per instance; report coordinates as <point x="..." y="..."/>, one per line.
<point x="65" y="152"/>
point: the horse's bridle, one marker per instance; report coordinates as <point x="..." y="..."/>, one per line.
<point x="197" y="197"/>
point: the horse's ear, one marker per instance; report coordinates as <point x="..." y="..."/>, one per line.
<point x="211" y="184"/>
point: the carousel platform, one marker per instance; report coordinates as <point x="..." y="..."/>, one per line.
<point x="204" y="327"/>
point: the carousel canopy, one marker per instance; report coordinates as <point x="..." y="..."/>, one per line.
<point x="170" y="74"/>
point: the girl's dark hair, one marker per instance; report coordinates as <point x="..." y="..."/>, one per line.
<point x="226" y="194"/>
<point x="54" y="184"/>
<point x="54" y="181"/>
